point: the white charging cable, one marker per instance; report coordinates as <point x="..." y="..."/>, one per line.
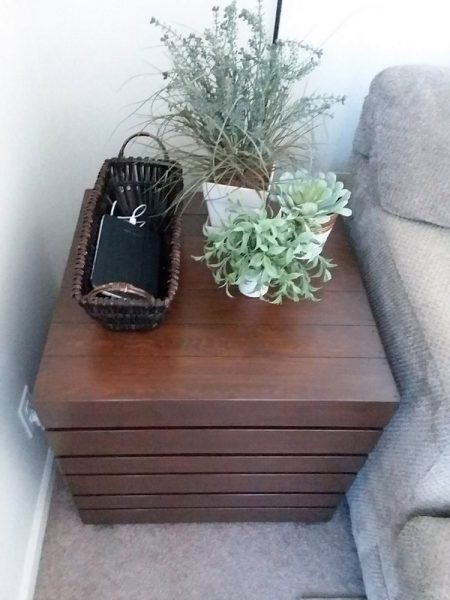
<point x="133" y="219"/>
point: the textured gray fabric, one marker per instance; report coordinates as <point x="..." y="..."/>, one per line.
<point x="423" y="558"/>
<point x="405" y="132"/>
<point x="217" y="561"/>
<point x="407" y="273"/>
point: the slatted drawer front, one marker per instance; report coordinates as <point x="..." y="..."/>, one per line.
<point x="205" y="488"/>
<point x="129" y="465"/>
<point x="212" y="441"/>
<point x="141" y="501"/>
<point x="210" y="474"/>
<point x="218" y="413"/>
<point x="187" y="474"/>
<point x="197" y="515"/>
<point x="209" y="483"/>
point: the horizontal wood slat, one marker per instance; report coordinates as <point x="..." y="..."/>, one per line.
<point x="112" y="377"/>
<point x="326" y="341"/>
<point x="208" y="500"/>
<point x="129" y="465"/>
<point x="212" y="305"/>
<point x="211" y="441"/>
<point x="205" y="515"/>
<point x="209" y="483"/>
<point x="215" y="413"/>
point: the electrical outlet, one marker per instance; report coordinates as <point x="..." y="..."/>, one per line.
<point x="27" y="414"/>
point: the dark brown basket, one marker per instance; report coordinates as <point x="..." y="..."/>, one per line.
<point x="161" y="181"/>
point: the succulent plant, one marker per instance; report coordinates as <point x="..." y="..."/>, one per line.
<point x="314" y="198"/>
<point x="271" y="246"/>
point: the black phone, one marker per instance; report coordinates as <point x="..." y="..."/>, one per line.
<point x="127" y="253"/>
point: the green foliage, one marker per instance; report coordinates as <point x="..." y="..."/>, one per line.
<point x="312" y="198"/>
<point x="271" y="246"/>
<point x="229" y="113"/>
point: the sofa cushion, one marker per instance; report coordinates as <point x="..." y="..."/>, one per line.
<point x="405" y="131"/>
<point x="423" y="558"/>
<point x="407" y="274"/>
<point x="421" y="254"/>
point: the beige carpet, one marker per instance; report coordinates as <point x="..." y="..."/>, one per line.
<point x="245" y="561"/>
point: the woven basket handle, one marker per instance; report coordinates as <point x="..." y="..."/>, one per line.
<point x="124" y="288"/>
<point x="144" y="134"/>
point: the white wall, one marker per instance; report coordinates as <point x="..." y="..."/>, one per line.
<point x="27" y="284"/>
<point x="360" y="38"/>
<point x="61" y="100"/>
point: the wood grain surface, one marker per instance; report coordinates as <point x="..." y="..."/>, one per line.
<point x="215" y="413"/>
<point x="226" y="500"/>
<point x="233" y="410"/>
<point x="204" y="515"/>
<point x="212" y="346"/>
<point x="211" y="441"/>
<point x="123" y="465"/>
<point x="200" y="483"/>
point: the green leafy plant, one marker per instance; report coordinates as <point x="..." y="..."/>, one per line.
<point x="227" y="108"/>
<point x="267" y="245"/>
<point x="313" y="198"/>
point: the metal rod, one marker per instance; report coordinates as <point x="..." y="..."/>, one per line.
<point x="277" y="21"/>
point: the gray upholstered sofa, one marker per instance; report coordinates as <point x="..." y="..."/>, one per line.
<point x="401" y="231"/>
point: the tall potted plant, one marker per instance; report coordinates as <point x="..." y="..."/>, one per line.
<point x="228" y="111"/>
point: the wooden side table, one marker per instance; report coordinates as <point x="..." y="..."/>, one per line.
<point x="234" y="410"/>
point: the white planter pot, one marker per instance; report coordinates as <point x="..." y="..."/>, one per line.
<point x="220" y="198"/>
<point x="321" y="238"/>
<point x="251" y="287"/>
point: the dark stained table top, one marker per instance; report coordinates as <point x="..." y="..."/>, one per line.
<point x="212" y="347"/>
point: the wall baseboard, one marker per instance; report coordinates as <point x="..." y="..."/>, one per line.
<point x="38" y="526"/>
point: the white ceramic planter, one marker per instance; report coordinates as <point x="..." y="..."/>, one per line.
<point x="220" y="198"/>
<point x="316" y="248"/>
<point x="251" y="286"/>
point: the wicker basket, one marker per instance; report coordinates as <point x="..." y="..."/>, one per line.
<point x="159" y="181"/>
